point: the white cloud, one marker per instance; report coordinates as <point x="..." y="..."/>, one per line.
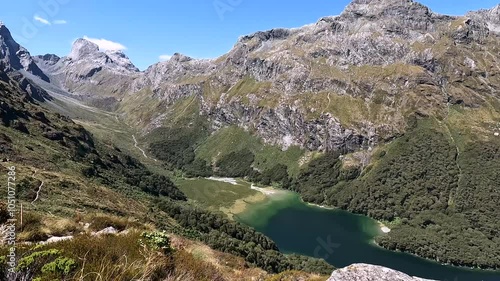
<point x="41" y="20"/>
<point x="106" y="45"/>
<point x="165" y="57"/>
<point x="59" y="22"/>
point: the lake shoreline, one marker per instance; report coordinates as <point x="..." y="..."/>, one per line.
<point x="377" y="228"/>
<point x="384" y="228"/>
<point x="245" y="204"/>
<point x="242" y="205"/>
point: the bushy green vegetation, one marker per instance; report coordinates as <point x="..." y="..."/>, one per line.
<point x="175" y="146"/>
<point x="270" y="156"/>
<point x="235" y="164"/>
<point x="198" y="168"/>
<point x="157" y="240"/>
<point x="232" y="237"/>
<point x="320" y="175"/>
<point x="225" y="141"/>
<point x="238" y="155"/>
<point x="157" y="185"/>
<point x="115" y="168"/>
<point x="41" y="264"/>
<point x="276" y="176"/>
<point x="418" y="173"/>
<point x="466" y="232"/>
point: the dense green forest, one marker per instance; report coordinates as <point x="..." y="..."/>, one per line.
<point x="177" y="148"/>
<point x="113" y="168"/>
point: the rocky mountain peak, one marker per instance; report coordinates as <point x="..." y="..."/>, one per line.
<point x="87" y="70"/>
<point x="491" y="17"/>
<point x="50" y="57"/>
<point x="3" y="28"/>
<point x="386" y="8"/>
<point x="276" y="33"/>
<point x="180" y="58"/>
<point x="403" y="18"/>
<point x="122" y="60"/>
<point x="15" y="57"/>
<point x="87" y="52"/>
<point x="82" y="47"/>
<point x="47" y="60"/>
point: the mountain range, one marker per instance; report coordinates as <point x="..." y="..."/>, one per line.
<point x="365" y="56"/>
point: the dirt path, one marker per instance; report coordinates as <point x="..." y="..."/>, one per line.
<point x="136" y="146"/>
<point x="37" y="194"/>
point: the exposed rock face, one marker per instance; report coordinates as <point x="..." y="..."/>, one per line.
<point x="367" y="272"/>
<point x="177" y="69"/>
<point x="344" y="82"/>
<point x="401" y="17"/>
<point x="99" y="77"/>
<point x="15" y="61"/>
<point x="286" y="126"/>
<point x="46" y="60"/>
<point x="83" y="48"/>
<point x="14" y="57"/>
<point x="491" y="17"/>
<point x="341" y="56"/>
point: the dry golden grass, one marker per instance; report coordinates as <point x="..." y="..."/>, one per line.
<point x="296" y="276"/>
<point x="99" y="221"/>
<point x="230" y="267"/>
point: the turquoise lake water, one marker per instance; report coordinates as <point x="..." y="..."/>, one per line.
<point x="342" y="238"/>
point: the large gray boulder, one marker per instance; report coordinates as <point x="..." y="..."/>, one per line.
<point x="368" y="272"/>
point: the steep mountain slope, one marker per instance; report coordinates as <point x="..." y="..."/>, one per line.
<point x="15" y="57"/>
<point x="491" y="17"/>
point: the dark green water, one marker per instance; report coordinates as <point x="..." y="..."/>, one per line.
<point x="342" y="238"/>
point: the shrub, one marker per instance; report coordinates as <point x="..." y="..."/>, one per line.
<point x="235" y="164"/>
<point x="157" y="241"/>
<point x="44" y="264"/>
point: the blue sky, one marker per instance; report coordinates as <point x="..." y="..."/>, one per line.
<point x="149" y="29"/>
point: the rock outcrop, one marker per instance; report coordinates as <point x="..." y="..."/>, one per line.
<point x="367" y="272"/>
<point x="489" y="16"/>
<point x="14" y="57"/>
<point x="15" y="62"/>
